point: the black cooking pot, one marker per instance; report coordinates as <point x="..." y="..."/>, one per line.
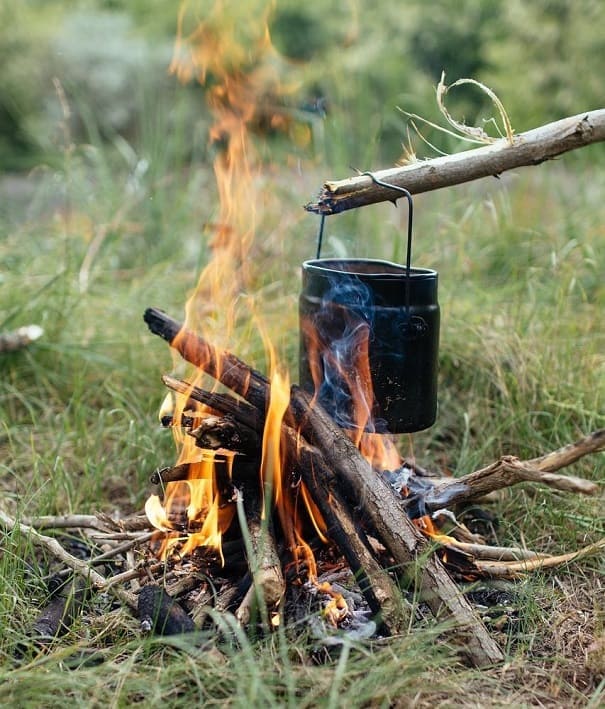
<point x="369" y="341"/>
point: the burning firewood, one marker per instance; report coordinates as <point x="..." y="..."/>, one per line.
<point x="329" y="464"/>
<point x="391" y="523"/>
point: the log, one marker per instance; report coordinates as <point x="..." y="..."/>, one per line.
<point x="530" y="148"/>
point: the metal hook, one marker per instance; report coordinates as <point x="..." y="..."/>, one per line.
<point x="408" y="261"/>
<point x="408" y="196"/>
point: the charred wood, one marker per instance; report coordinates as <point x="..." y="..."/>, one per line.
<point x="64" y="606"/>
<point x="344" y="529"/>
<point x="240" y="409"/>
<point x="162" y="614"/>
<point x="221" y="365"/>
<point x="163" y="476"/>
<point x="216" y="432"/>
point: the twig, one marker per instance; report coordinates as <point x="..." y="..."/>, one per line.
<point x="503" y="473"/>
<point x="82" y="568"/>
<point x="530" y="148"/>
<point x="513" y="569"/>
<point x="491" y="553"/>
<point x="562" y="457"/>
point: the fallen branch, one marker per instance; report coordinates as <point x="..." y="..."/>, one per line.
<point x="506" y="472"/>
<point x="592" y="443"/>
<point x="514" y="569"/>
<point x="82" y="568"/>
<point x="530" y="148"/>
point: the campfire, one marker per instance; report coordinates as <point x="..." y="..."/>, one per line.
<point x="322" y="496"/>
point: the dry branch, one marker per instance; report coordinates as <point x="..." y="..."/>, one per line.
<point x="503" y="473"/>
<point x="82" y="568"/>
<point x="592" y="443"/>
<point x="514" y="569"/>
<point x="530" y="148"/>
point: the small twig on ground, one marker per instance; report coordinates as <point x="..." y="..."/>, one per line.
<point x="82" y="568"/>
<point x="514" y="569"/>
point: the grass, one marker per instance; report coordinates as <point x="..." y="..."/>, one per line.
<point x="522" y="365"/>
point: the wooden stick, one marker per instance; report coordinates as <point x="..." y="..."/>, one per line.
<point x="503" y="473"/>
<point x="514" y="569"/>
<point x="215" y="432"/>
<point x="83" y="568"/>
<point x="562" y="457"/>
<point x="219" y="364"/>
<point x="394" y="528"/>
<point x="240" y="409"/>
<point x="530" y="148"/>
<point x="268" y="584"/>
<point x="68" y="522"/>
<point x="486" y="552"/>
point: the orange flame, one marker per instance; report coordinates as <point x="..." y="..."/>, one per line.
<point x="378" y="449"/>
<point x="240" y="69"/>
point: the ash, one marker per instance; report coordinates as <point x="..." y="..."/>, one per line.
<point x="354" y="624"/>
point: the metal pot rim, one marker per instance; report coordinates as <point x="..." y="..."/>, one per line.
<point x="354" y="267"/>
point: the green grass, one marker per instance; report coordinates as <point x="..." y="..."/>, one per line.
<point x="522" y="372"/>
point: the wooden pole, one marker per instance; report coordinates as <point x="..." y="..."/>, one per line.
<point x="530" y="148"/>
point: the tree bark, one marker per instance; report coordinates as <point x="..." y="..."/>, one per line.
<point x="530" y="148"/>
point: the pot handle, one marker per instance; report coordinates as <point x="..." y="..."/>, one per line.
<point x="408" y="260"/>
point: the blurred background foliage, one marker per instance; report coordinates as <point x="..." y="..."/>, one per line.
<point x="358" y="61"/>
